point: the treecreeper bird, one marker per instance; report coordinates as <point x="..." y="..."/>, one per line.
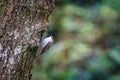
<point x="46" y="44"/>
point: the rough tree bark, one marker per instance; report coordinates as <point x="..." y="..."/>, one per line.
<point x="22" y="23"/>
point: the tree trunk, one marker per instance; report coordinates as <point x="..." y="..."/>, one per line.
<point x="22" y="23"/>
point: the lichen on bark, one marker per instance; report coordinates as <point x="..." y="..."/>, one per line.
<point x="22" y="23"/>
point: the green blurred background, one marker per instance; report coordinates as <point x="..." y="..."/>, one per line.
<point x="87" y="42"/>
